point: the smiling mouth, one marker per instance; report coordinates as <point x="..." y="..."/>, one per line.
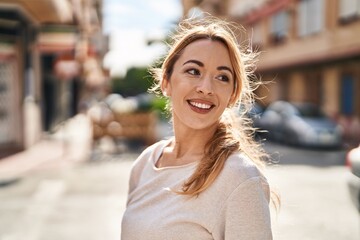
<point x="200" y="107"/>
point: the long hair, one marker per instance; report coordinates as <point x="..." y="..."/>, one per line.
<point x="233" y="133"/>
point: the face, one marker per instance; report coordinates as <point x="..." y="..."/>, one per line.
<point x="201" y="84"/>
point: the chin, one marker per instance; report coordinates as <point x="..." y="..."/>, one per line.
<point x="201" y="125"/>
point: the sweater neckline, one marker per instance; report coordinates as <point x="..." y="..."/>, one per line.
<point x="157" y="154"/>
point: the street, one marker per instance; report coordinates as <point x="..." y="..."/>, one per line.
<point x="315" y="201"/>
<point x="86" y="201"/>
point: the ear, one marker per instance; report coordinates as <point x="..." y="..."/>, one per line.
<point x="166" y="87"/>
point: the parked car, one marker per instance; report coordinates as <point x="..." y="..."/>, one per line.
<point x="353" y="162"/>
<point x="254" y="112"/>
<point x="299" y="124"/>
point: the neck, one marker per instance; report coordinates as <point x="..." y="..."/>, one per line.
<point x="187" y="146"/>
<point x="189" y="142"/>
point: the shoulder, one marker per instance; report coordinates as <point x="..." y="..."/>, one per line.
<point x="245" y="196"/>
<point x="145" y="160"/>
<point x="238" y="173"/>
<point x="240" y="186"/>
<point x="151" y="152"/>
<point x="239" y="168"/>
<point x="240" y="178"/>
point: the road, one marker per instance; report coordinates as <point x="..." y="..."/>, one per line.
<point x="314" y="194"/>
<point x="86" y="202"/>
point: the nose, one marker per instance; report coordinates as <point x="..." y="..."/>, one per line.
<point x="205" y="86"/>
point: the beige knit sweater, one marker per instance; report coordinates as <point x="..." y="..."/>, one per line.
<point x="235" y="206"/>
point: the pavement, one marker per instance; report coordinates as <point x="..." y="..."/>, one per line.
<point x="70" y="144"/>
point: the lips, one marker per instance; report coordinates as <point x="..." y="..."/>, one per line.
<point x="200" y="106"/>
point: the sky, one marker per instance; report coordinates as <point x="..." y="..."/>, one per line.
<point x="130" y="23"/>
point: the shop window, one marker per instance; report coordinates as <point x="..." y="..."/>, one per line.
<point x="311" y="17"/>
<point x="349" y="10"/>
<point x="279" y="27"/>
<point x="7" y="92"/>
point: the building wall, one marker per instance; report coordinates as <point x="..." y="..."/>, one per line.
<point x="297" y="87"/>
<point x="214" y="7"/>
<point x="311" y="55"/>
<point x="16" y="74"/>
<point x="19" y="25"/>
<point x="331" y="93"/>
<point x="323" y="66"/>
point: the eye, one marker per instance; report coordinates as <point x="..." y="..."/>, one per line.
<point x="223" y="78"/>
<point x="193" y="71"/>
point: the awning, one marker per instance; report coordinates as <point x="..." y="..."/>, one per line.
<point x="43" y="11"/>
<point x="57" y="42"/>
<point x="7" y="51"/>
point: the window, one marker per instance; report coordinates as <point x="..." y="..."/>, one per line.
<point x="349" y="10"/>
<point x="7" y="103"/>
<point x="347" y="94"/>
<point x="311" y="17"/>
<point x="279" y="26"/>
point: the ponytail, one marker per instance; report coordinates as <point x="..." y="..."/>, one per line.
<point x="223" y="143"/>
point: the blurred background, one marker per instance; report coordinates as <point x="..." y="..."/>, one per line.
<point x="75" y="111"/>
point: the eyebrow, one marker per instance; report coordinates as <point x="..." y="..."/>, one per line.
<point x="202" y="65"/>
<point x="194" y="61"/>
<point x="225" y="68"/>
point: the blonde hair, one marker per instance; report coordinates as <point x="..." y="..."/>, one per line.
<point x="232" y="134"/>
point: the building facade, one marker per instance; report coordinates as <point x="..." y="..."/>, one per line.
<point x="45" y="48"/>
<point x="310" y="52"/>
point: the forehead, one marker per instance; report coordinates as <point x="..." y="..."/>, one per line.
<point x="207" y="49"/>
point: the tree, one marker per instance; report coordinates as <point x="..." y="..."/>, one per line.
<point x="136" y="81"/>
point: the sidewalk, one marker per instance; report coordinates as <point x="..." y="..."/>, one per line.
<point x="70" y="145"/>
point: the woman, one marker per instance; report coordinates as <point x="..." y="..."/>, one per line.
<point x="205" y="182"/>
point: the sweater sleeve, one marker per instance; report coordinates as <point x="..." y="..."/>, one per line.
<point x="246" y="214"/>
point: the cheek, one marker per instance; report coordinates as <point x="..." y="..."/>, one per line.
<point x="225" y="101"/>
<point x="229" y="102"/>
<point x="230" y="96"/>
<point x="232" y="99"/>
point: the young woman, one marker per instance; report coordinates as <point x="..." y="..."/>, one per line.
<point x="206" y="181"/>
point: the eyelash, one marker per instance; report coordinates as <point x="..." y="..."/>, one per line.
<point x="194" y="71"/>
<point x="225" y="78"/>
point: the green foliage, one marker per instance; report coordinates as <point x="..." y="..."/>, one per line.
<point x="159" y="104"/>
<point x="136" y="81"/>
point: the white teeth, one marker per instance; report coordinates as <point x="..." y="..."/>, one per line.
<point x="201" y="105"/>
